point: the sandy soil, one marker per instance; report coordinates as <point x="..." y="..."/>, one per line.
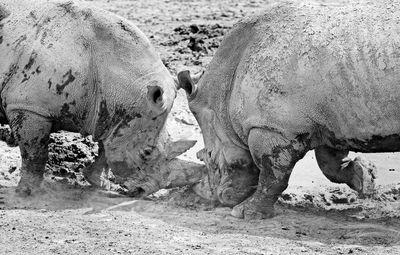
<point x="314" y="216"/>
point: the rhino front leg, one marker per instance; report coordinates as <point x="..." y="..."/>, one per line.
<point x="97" y="173"/>
<point x="32" y="133"/>
<point x="275" y="156"/>
<point x="337" y="167"/>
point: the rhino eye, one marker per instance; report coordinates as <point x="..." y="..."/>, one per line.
<point x="146" y="154"/>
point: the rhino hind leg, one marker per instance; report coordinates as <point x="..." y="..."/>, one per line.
<point x="32" y="133"/>
<point x="275" y="156"/>
<point x="335" y="164"/>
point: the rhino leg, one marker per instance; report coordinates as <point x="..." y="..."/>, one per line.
<point x="96" y="173"/>
<point x="275" y="156"/>
<point x="32" y="133"/>
<point x="337" y="167"/>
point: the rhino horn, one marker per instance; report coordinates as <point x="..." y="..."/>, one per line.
<point x="174" y="149"/>
<point x="182" y="172"/>
<point x="172" y="173"/>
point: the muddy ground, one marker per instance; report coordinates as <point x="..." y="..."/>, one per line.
<point x="314" y="216"/>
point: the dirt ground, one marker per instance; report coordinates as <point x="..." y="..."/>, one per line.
<point x="314" y="216"/>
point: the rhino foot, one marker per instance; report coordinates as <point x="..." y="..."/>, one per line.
<point x="97" y="174"/>
<point x="99" y="181"/>
<point x="29" y="184"/>
<point x="254" y="209"/>
<point x="335" y="164"/>
<point x="363" y="180"/>
<point x="23" y="191"/>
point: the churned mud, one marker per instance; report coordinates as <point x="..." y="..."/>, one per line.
<point x="314" y="216"/>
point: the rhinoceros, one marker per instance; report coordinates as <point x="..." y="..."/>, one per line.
<point x="70" y="66"/>
<point x="299" y="76"/>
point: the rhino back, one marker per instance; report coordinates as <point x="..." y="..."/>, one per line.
<point x="71" y="61"/>
<point x="45" y="67"/>
<point x="216" y="85"/>
<point x="321" y="69"/>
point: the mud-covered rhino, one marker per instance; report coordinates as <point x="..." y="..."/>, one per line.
<point x="69" y="66"/>
<point x="296" y="78"/>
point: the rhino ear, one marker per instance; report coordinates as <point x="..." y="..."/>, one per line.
<point x="155" y="96"/>
<point x="175" y="149"/>
<point x="197" y="77"/>
<point x="186" y="82"/>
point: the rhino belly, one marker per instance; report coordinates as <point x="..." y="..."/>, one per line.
<point x="376" y="143"/>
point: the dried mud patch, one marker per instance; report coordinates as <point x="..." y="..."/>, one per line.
<point x="189" y="229"/>
<point x="193" y="45"/>
<point x="69" y="154"/>
<point x="383" y="204"/>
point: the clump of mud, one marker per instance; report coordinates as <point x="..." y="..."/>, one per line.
<point x="326" y="199"/>
<point x="384" y="203"/>
<point x="194" y="44"/>
<point x="69" y="154"/>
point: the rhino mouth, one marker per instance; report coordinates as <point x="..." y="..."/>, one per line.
<point x="214" y="173"/>
<point x="137" y="192"/>
<point x="205" y="155"/>
<point x="139" y="189"/>
<point x="231" y="182"/>
<point x="231" y="195"/>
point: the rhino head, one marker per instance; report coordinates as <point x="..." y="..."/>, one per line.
<point x="131" y="123"/>
<point x="139" y="150"/>
<point x="232" y="175"/>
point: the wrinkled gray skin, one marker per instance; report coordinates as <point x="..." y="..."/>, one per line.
<point x="69" y="66"/>
<point x="301" y="76"/>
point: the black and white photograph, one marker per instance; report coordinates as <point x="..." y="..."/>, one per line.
<point x="226" y="127"/>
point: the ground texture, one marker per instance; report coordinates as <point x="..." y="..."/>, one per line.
<point x="314" y="216"/>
